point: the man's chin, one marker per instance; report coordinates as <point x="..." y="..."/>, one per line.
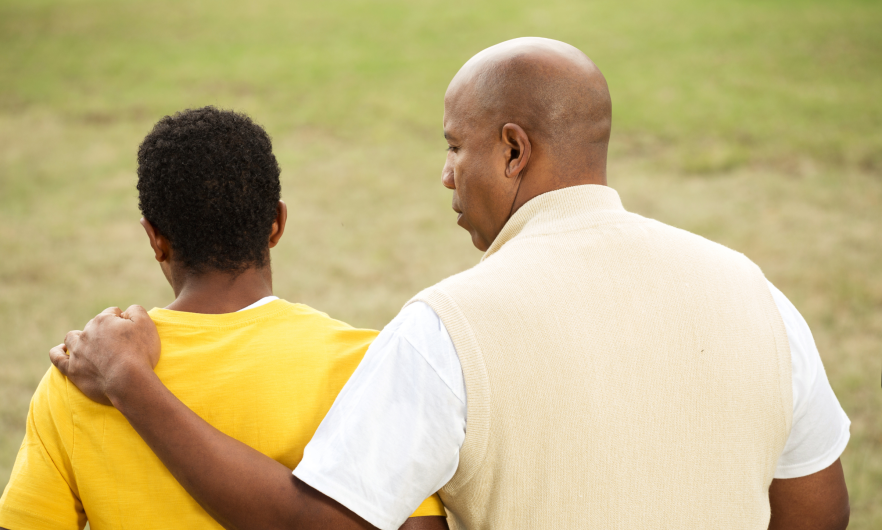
<point x="478" y="241"/>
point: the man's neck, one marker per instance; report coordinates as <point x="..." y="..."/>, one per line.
<point x="546" y="175"/>
<point x="218" y="292"/>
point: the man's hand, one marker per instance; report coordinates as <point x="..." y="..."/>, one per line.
<point x="100" y="359"/>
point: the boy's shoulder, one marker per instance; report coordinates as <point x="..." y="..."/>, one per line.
<point x="42" y="478"/>
<point x="305" y="318"/>
<point x="303" y="321"/>
<point x="56" y="407"/>
<point x="52" y="398"/>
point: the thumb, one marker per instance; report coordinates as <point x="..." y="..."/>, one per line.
<point x="115" y="311"/>
<point x="58" y="356"/>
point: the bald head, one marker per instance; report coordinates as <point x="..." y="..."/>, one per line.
<point x="522" y="118"/>
<point x="549" y="88"/>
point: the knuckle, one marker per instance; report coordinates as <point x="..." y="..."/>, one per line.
<point x="72" y="337"/>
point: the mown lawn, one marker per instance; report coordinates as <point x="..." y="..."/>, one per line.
<point x="755" y="123"/>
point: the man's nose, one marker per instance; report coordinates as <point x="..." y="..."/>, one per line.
<point x="447" y="177"/>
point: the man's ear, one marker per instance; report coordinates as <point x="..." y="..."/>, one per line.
<point x="160" y="245"/>
<point x="279" y="223"/>
<point x="517" y="149"/>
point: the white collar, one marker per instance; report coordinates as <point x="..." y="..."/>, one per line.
<point x="262" y="301"/>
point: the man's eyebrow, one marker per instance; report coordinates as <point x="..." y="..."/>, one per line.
<point x="448" y="136"/>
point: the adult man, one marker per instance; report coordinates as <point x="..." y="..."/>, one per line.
<point x="596" y="370"/>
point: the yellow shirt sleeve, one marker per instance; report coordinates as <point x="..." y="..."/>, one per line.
<point x="41" y="490"/>
<point x="430" y="506"/>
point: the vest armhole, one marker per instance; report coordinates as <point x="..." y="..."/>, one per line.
<point x="785" y="366"/>
<point x="477" y="385"/>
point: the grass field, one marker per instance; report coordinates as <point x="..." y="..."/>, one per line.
<point x="755" y="123"/>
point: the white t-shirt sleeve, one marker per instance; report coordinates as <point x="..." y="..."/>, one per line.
<point x="820" y="426"/>
<point x="392" y="437"/>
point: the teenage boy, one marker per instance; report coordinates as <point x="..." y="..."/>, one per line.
<point x="209" y="191"/>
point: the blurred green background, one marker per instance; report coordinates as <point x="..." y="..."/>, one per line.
<point x="755" y="123"/>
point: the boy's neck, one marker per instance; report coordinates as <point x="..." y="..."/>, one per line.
<point x="215" y="292"/>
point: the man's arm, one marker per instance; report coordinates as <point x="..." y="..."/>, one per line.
<point x="239" y="486"/>
<point x="814" y="502"/>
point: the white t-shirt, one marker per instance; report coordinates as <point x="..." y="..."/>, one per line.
<point x="263" y="301"/>
<point x="392" y="437"/>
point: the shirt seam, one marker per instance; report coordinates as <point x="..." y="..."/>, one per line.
<point x="48" y="455"/>
<point x="73" y="428"/>
<point x="43" y="446"/>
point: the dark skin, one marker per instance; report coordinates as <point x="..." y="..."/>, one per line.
<point x="502" y="151"/>
<point x="254" y="479"/>
<point x="522" y="118"/>
<point x="814" y="502"/>
<point x="214" y="292"/>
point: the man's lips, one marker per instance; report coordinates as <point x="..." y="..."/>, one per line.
<point x="460" y="220"/>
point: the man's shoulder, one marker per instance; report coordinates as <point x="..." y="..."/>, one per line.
<point x="626" y="237"/>
<point x="451" y="284"/>
<point x="612" y="249"/>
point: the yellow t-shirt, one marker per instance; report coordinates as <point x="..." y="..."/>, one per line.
<point x="265" y="376"/>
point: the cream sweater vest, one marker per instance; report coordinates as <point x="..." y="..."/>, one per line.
<point x="620" y="374"/>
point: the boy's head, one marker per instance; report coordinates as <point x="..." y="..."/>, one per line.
<point x="208" y="188"/>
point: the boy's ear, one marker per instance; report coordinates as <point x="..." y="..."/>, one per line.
<point x="279" y="223"/>
<point x="161" y="248"/>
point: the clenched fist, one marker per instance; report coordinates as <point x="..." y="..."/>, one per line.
<point x="114" y="345"/>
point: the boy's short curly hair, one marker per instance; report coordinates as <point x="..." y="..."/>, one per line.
<point x="208" y="181"/>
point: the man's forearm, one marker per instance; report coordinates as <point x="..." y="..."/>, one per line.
<point x="239" y="486"/>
